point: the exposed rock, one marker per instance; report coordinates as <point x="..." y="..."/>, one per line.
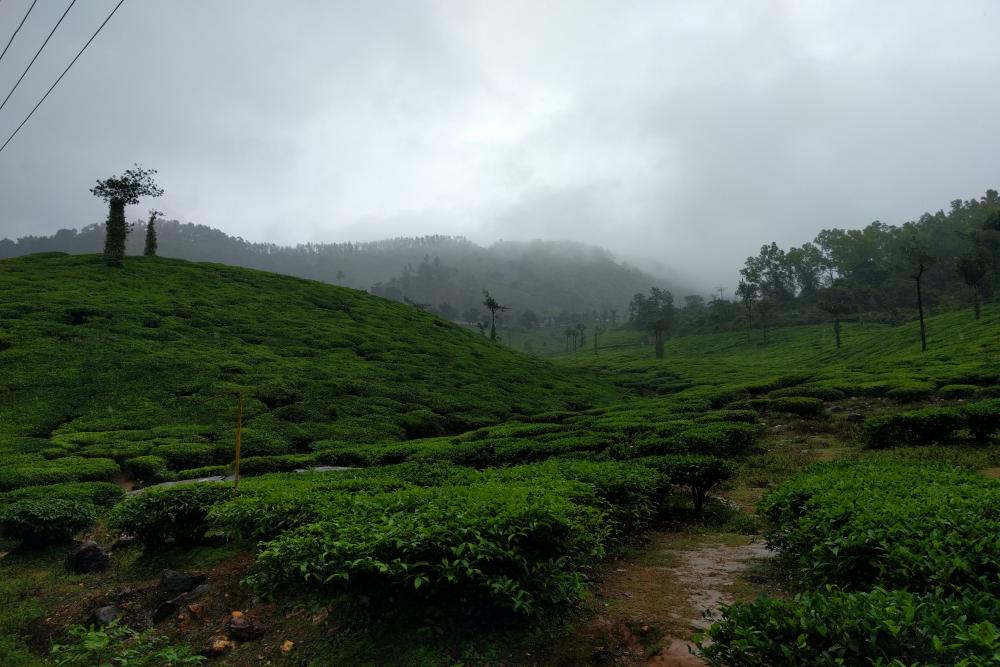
<point x="836" y="408"/>
<point x="218" y="645"/>
<point x="104" y="615"/>
<point x="180" y="582"/>
<point x="244" y="629"/>
<point x="166" y="610"/>
<point x="855" y="417"/>
<point x="87" y="557"/>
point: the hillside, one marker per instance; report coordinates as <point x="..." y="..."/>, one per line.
<point x="148" y="360"/>
<point x="447" y="273"/>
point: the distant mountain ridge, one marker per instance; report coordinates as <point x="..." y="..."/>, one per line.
<point x="446" y="274"/>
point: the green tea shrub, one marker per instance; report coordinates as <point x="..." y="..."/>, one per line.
<point x="486" y="546"/>
<point x="259" y="465"/>
<point x="41" y="521"/>
<point x="810" y="391"/>
<point x="55" y="471"/>
<point x="910" y="392"/>
<point x="630" y="492"/>
<point x="958" y="390"/>
<point x="181" y="455"/>
<point x="178" y="513"/>
<point x="880" y="627"/>
<point x="886" y="522"/>
<point x="982" y="419"/>
<point x="700" y="474"/>
<point x="914" y="427"/>
<point x="148" y="469"/>
<point x="269" y="506"/>
<point x="802" y="406"/>
<point x="203" y="471"/>
<point x="719" y="439"/>
<point x="744" y="416"/>
<point x="99" y="494"/>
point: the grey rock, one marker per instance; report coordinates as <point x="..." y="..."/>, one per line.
<point x="87" y="557"/>
<point x="180" y="582"/>
<point x="855" y="417"/>
<point x="244" y="629"/>
<point x="103" y="616"/>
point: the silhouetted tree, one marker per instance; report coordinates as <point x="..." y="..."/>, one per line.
<point x="118" y="192"/>
<point x="150" y="248"/>
<point x="835" y="300"/>
<point x="528" y="319"/>
<point x="920" y="261"/>
<point x="494" y="307"/>
<point x="972" y="268"/>
<point x="747" y="293"/>
<point x="764" y="308"/>
<point x="581" y="327"/>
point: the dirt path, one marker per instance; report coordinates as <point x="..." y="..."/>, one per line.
<point x="648" y="607"/>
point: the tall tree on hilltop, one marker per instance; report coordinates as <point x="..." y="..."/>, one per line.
<point x="118" y="192"/>
<point x="972" y="268"/>
<point x="654" y="313"/>
<point x="494" y="307"/>
<point x="835" y="300"/>
<point x="150" y="248"/>
<point x="920" y="261"/>
<point x="747" y="293"/>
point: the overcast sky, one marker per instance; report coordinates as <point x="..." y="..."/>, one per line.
<point x="685" y="132"/>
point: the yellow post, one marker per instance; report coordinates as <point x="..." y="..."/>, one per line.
<point x="239" y="428"/>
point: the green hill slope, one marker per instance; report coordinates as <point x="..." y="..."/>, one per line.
<point x="873" y="360"/>
<point x="148" y="360"/>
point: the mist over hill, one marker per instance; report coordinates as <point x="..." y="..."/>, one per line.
<point x="445" y="274"/>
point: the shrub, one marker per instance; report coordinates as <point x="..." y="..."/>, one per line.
<point x="700" y="474"/>
<point x="959" y="390"/>
<point x="719" y="439"/>
<point x="486" y="546"/>
<point x="915" y="427"/>
<point x="880" y="627"/>
<point x="797" y="405"/>
<point x="810" y="391"/>
<point x="176" y="513"/>
<point x="148" y="469"/>
<point x="100" y="494"/>
<point x="46" y="521"/>
<point x="630" y="492"/>
<point x="910" y="392"/>
<point x="68" y="469"/>
<point x="898" y="524"/>
<point x="181" y="455"/>
<point x="982" y="419"/>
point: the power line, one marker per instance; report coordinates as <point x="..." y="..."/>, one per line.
<point x="17" y="29"/>
<point x="4" y="103"/>
<point x="52" y="87"/>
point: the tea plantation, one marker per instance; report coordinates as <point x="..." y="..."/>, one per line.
<point x="479" y="494"/>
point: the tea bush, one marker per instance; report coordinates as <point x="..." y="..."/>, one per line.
<point x="959" y="390"/>
<point x="99" y="494"/>
<point x="45" y="521"/>
<point x="177" y="513"/>
<point x="68" y="469"/>
<point x="719" y="439"/>
<point x="914" y="427"/>
<point x="982" y="419"/>
<point x="700" y="474"/>
<point x="910" y="392"/>
<point x="631" y="493"/>
<point x="832" y="627"/>
<point x="810" y="391"/>
<point x="148" y="469"/>
<point x="797" y="405"/>
<point x="487" y="546"/>
<point x="891" y="523"/>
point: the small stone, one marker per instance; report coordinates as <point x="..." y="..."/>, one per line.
<point x="218" y="645"/>
<point x="104" y="615"/>
<point x="855" y="417"/>
<point x="243" y="629"/>
<point x="287" y="645"/>
<point x="180" y="582"/>
<point x="836" y="408"/>
<point x="87" y="557"/>
<point x="166" y="610"/>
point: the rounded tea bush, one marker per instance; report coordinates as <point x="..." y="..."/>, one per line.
<point x="46" y="521"/>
